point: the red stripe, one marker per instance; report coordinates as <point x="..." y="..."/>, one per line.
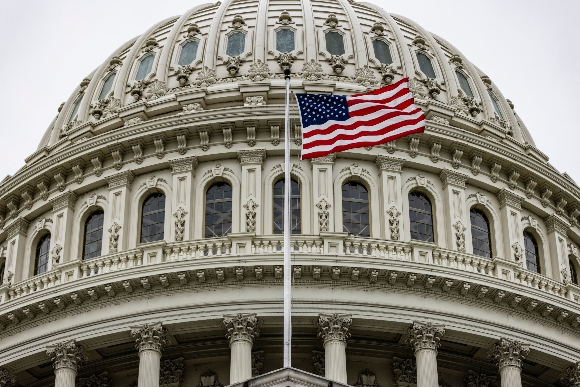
<point x="382" y="89"/>
<point x="354" y="125"/>
<point x="353" y="137"/>
<point x="375" y="108"/>
<point x="360" y="145"/>
<point x="353" y="101"/>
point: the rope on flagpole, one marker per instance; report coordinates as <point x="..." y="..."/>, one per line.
<point x="287" y="231"/>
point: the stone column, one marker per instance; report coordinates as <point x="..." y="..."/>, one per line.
<point x="251" y="161"/>
<point x="183" y="173"/>
<point x="508" y="354"/>
<point x="557" y="241"/>
<point x="242" y="330"/>
<point x="510" y="206"/>
<point x="150" y="339"/>
<point x="63" y="207"/>
<point x="6" y="378"/>
<point x="572" y="376"/>
<point x="456" y="214"/>
<point x="67" y="357"/>
<point x="424" y="337"/>
<point x="117" y="223"/>
<point x="322" y="195"/>
<point x="334" y="331"/>
<point x="391" y="203"/>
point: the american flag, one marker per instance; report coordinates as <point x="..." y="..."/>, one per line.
<point x="334" y="123"/>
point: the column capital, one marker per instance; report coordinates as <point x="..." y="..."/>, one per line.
<point x="556" y="223"/>
<point x="241" y="327"/>
<point x="6" y="378"/>
<point x="18" y="227"/>
<point x="122" y="179"/>
<point x="389" y="163"/>
<point x="425" y="335"/>
<point x="252" y="156"/>
<point x="509" y="353"/>
<point x="508" y="198"/>
<point x="449" y="177"/>
<point x="328" y="159"/>
<point x="184" y="164"/>
<point x="150" y="337"/>
<point x="334" y="327"/>
<point x="64" y="200"/>
<point x="572" y="376"/>
<point x="67" y="354"/>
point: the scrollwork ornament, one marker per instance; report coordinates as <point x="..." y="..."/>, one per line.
<point x="206" y="77"/>
<point x="114" y="237"/>
<point x="571" y="377"/>
<point x="509" y="353"/>
<point x="233" y="64"/>
<point x="312" y="71"/>
<point x="67" y="354"/>
<point x="285" y="60"/>
<point x="150" y="337"/>
<point x="182" y="74"/>
<point x="171" y="372"/>
<point x="241" y="327"/>
<point x="334" y="327"/>
<point x="323" y="215"/>
<point x="337" y="62"/>
<point x="425" y="336"/>
<point x="179" y="223"/>
<point x="394" y="222"/>
<point x="100" y="380"/>
<point x="475" y="379"/>
<point x="250" y="207"/>
<point x="388" y="72"/>
<point x="258" y="71"/>
<point x="365" y="77"/>
<point x="460" y="236"/>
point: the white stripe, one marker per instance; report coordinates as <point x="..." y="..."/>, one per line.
<point x="370" y="138"/>
<point x="386" y="94"/>
<point x="393" y="105"/>
<point x="364" y="128"/>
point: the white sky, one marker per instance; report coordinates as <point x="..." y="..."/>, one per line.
<point x="529" y="48"/>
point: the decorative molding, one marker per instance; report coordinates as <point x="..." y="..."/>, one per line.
<point x="319" y="362"/>
<point x="255" y="100"/>
<point x="507" y="198"/>
<point x="150" y="337"/>
<point x="67" y="354"/>
<point x="404" y="371"/>
<point x="334" y="327"/>
<point x="425" y="336"/>
<point x="114" y="237"/>
<point x="460" y="236"/>
<point x="328" y="159"/>
<point x="122" y="179"/>
<point x="209" y="379"/>
<point x="179" y="224"/>
<point x="389" y="163"/>
<point x="64" y="200"/>
<point x="242" y="326"/>
<point x="191" y="108"/>
<point x="251" y="156"/>
<point x="509" y="353"/>
<point x="571" y="378"/>
<point x="17" y="227"/>
<point x="449" y="177"/>
<point x="258" y="71"/>
<point x="185" y="164"/>
<point x="557" y="224"/>
<point x="6" y="378"/>
<point x="100" y="380"/>
<point x="475" y="379"/>
<point x="171" y="372"/>
<point x="323" y="215"/>
<point x="394" y="222"/>
<point x="250" y="207"/>
<point x="257" y="363"/>
<point x="367" y="378"/>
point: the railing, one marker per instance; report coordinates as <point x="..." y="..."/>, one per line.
<point x="331" y="245"/>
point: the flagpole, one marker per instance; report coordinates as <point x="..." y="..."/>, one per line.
<point x="287" y="230"/>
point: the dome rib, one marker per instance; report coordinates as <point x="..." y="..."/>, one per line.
<point x="361" y="56"/>
<point x="212" y="37"/>
<point x="310" y="32"/>
<point x="261" y="34"/>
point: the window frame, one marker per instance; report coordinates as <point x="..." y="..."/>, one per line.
<point x="84" y="231"/>
<point x="39" y="240"/>
<point x="205" y="192"/>
<point x="223" y="43"/>
<point x="534" y="239"/>
<point x="489" y="231"/>
<point x="467" y="79"/>
<point x="200" y="39"/>
<point x="102" y="82"/>
<point x="433" y="220"/>
<point x="298" y="48"/>
<point x="346" y="38"/>
<point x="165" y="235"/>
<point x="431" y="59"/>
<point x="369" y="203"/>
<point x="276" y="181"/>
<point x="137" y="64"/>
<point x="493" y="97"/>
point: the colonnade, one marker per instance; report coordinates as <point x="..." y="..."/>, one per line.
<point x="333" y="329"/>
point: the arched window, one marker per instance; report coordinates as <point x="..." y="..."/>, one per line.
<point x="218" y="210"/>
<point x="495" y="105"/>
<point x="236" y="44"/>
<point x="334" y="43"/>
<point x="153" y="218"/>
<point x="355" y="209"/>
<point x="464" y="84"/>
<point x="573" y="273"/>
<point x="382" y="52"/>
<point x="278" y="218"/>
<point x="188" y="53"/>
<point x="532" y="253"/>
<point x="145" y="66"/>
<point x="425" y="65"/>
<point x="76" y="107"/>
<point x="480" y="233"/>
<point x="285" y="40"/>
<point x="42" y="253"/>
<point x="107" y="85"/>
<point x="421" y="217"/>
<point x="93" y="240"/>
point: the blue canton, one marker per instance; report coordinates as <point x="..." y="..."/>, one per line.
<point x="316" y="109"/>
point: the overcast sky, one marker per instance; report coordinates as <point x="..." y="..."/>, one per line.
<point x="529" y="48"/>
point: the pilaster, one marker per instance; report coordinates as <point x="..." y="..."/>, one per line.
<point x="183" y="171"/>
<point x="425" y="337"/>
<point x="242" y="329"/>
<point x="251" y="161"/>
<point x="67" y="357"/>
<point x="150" y="340"/>
<point x="456" y="212"/>
<point x="557" y="228"/>
<point x="15" y="267"/>
<point x="510" y="206"/>
<point x="508" y="354"/>
<point x="391" y="204"/>
<point x="322" y="196"/>
<point x="334" y="330"/>
<point x="63" y="207"/>
<point x="118" y="220"/>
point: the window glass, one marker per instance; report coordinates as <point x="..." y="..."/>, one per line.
<point x="42" y="253"/>
<point x="464" y="84"/>
<point x="573" y="273"/>
<point x="480" y="233"/>
<point x="93" y="240"/>
<point x="425" y="65"/>
<point x="278" y="219"/>
<point x="532" y="253"/>
<point x="153" y="218"/>
<point x="236" y="44"/>
<point x="218" y="210"/>
<point x="421" y="217"/>
<point x="145" y="67"/>
<point x="188" y="53"/>
<point x="355" y="209"/>
<point x="107" y="85"/>
<point x="495" y="105"/>
<point x="285" y="40"/>
<point x="382" y="51"/>
<point x="334" y="43"/>
<point x="2" y="270"/>
<point x="75" y="108"/>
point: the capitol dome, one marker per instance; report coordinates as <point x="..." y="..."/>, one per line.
<point x="142" y="241"/>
